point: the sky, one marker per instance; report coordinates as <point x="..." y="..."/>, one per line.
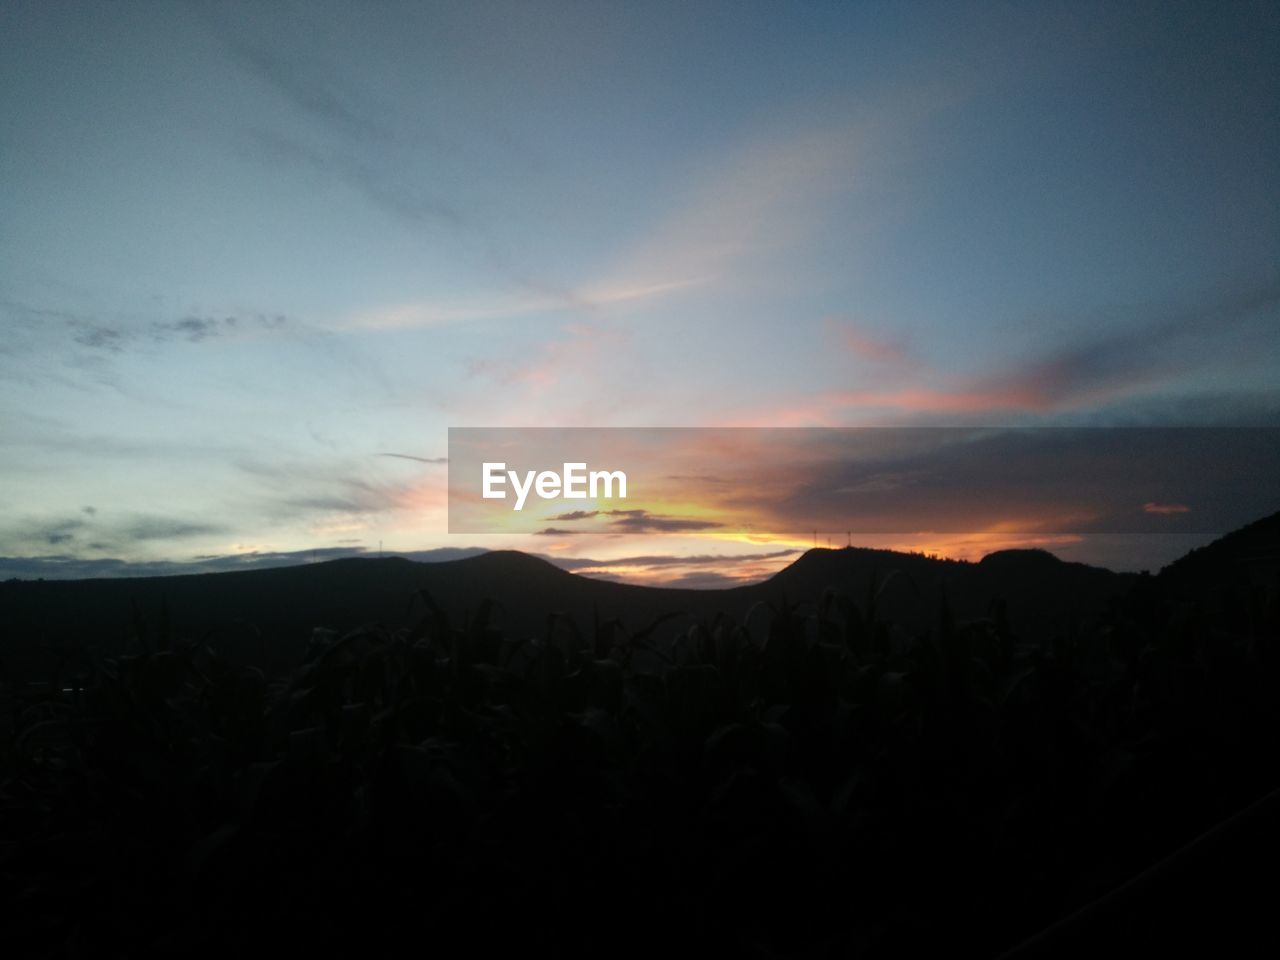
<point x="257" y="259"/>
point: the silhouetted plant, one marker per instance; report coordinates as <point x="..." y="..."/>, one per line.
<point x="809" y="780"/>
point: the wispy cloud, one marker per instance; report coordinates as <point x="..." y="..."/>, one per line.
<point x="1136" y="358"/>
<point x="304" y="79"/>
<point x="529" y="301"/>
<point x="631" y="521"/>
<point x="764" y="195"/>
<point x="115" y="337"/>
<point x="892" y="352"/>
<point x="406" y="456"/>
<point x="90" y="532"/>
<point x="642" y="521"/>
<point x="391" y="193"/>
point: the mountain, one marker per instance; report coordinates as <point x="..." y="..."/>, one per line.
<point x="1251" y="553"/>
<point x="268" y="615"/>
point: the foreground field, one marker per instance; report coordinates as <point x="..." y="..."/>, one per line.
<point x="806" y="779"/>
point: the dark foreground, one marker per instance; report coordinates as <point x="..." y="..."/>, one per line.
<point x="809" y="780"/>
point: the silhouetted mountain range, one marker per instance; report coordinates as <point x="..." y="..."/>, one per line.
<point x="269" y="614"/>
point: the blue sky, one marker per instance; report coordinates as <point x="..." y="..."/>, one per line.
<point x="245" y="250"/>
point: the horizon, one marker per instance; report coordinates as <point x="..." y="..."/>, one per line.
<point x="258" y="261"/>
<point x="691" y="572"/>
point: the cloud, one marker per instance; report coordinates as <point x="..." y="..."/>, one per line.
<point x="669" y="560"/>
<point x="630" y="521"/>
<point x="92" y="532"/>
<point x="152" y="527"/>
<point x="1029" y="480"/>
<point x="339" y="491"/>
<point x="97" y="337"/>
<point x="642" y="521"/>
<point x="312" y="85"/>
<point x="532" y="299"/>
<point x="386" y="191"/>
<point x="764" y="194"/>
<point x="700" y="571"/>
<point x="193" y="329"/>
<point x="870" y="348"/>
<point x="1094" y="371"/>
<point x="196" y="329"/>
<point x="702" y="580"/>
<point x="406" y="456"/>
<point x="1165" y="508"/>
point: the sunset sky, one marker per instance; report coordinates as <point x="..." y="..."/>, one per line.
<point x="257" y="259"/>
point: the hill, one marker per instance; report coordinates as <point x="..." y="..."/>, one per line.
<point x="266" y="616"/>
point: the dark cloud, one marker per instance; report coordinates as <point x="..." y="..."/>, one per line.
<point x="99" y="337"/>
<point x="553" y="532"/>
<point x="629" y="521"/>
<point x="1145" y="349"/>
<point x="1139" y="356"/>
<point x="56" y="534"/>
<point x="87" y="531"/>
<point x="1116" y="359"/>
<point x="193" y="329"/>
<point x="1032" y="480"/>
<point x="103" y="337"/>
<point x="197" y="329"/>
<point x="166" y="528"/>
<point x="642" y="521"/>
<point x="1252" y="408"/>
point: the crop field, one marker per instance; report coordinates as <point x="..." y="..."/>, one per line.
<point x="813" y="780"/>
